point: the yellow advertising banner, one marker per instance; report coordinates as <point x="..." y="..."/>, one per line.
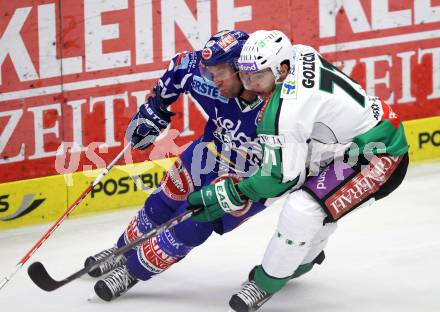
<point x="423" y="138"/>
<point x="32" y="201"/>
<point x="45" y="199"/>
<point x="124" y="186"/>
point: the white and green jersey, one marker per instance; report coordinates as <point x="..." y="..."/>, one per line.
<point x="316" y="114"/>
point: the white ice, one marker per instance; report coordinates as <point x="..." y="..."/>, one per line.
<point x="382" y="258"/>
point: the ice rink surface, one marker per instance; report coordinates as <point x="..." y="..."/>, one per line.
<point x="382" y="258"/>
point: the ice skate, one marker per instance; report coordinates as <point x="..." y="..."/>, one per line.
<point x="114" y="285"/>
<point x="106" y="266"/>
<point x="249" y="298"/>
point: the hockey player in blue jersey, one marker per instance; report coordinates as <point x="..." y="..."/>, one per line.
<point x="228" y="146"/>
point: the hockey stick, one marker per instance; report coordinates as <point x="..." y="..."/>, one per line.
<point x="38" y="273"/>
<point x="61" y="219"/>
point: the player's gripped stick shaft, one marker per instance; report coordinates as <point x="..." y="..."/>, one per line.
<point x="61" y="219"/>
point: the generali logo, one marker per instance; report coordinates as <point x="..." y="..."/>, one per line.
<point x="364" y="184"/>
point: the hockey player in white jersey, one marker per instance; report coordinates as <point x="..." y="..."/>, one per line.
<point x="326" y="142"/>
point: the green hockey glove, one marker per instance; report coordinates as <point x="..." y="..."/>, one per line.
<point x="216" y="199"/>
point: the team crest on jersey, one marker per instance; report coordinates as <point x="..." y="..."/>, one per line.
<point x="229" y="134"/>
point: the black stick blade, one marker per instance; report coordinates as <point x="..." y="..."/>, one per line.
<point x="38" y="274"/>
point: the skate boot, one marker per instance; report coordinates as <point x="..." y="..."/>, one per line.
<point x="115" y="284"/>
<point x="106" y="266"/>
<point x="250" y="298"/>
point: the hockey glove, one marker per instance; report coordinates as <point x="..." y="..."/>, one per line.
<point x="148" y="122"/>
<point x="216" y="199"/>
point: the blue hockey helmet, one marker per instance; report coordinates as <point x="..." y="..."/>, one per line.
<point x="223" y="47"/>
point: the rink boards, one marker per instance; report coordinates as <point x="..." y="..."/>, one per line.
<point x="423" y="138"/>
<point x="45" y="199"/>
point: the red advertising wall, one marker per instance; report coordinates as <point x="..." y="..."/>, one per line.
<point x="76" y="70"/>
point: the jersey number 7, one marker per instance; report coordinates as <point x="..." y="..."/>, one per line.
<point x="330" y="75"/>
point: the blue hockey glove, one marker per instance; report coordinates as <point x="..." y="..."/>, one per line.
<point x="216" y="200"/>
<point x="146" y="125"/>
